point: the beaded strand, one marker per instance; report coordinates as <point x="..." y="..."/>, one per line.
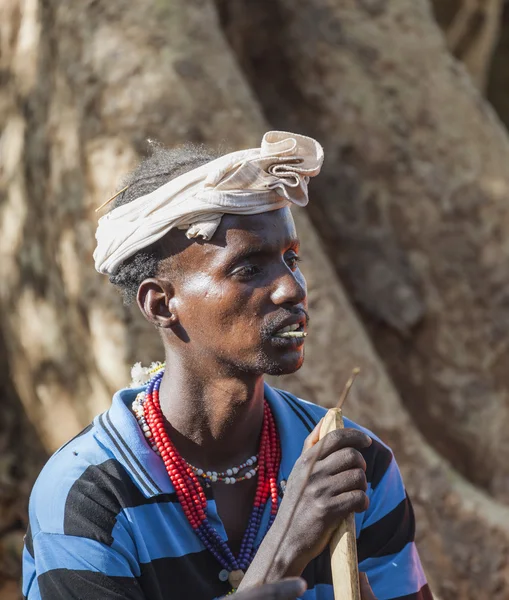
<point x="229" y="476"/>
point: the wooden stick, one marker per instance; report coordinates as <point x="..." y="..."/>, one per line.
<point x="343" y="546"/>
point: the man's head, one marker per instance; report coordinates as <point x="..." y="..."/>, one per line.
<point x="233" y="300"/>
<point x="221" y="304"/>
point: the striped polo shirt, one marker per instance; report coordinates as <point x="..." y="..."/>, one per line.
<point x="105" y="522"/>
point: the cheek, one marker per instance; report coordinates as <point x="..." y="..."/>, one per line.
<point x="209" y="305"/>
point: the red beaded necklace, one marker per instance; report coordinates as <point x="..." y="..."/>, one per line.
<point x="190" y="492"/>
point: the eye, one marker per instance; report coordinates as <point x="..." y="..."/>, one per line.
<point x="292" y="261"/>
<point x="247" y="271"/>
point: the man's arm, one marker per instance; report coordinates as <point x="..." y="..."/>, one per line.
<point x="385" y="544"/>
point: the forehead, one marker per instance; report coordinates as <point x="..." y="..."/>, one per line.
<point x="275" y="228"/>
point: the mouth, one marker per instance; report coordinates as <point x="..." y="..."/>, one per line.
<point x="291" y="332"/>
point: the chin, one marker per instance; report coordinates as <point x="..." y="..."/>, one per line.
<point x="283" y="366"/>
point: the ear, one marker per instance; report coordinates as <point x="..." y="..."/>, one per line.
<point x="155" y="299"/>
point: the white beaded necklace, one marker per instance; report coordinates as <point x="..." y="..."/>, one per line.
<point x="228" y="476"/>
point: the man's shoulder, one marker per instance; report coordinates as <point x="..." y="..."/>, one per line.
<point x="77" y="473"/>
<point x="314" y="412"/>
<point x="378" y="456"/>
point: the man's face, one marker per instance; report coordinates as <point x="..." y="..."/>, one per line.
<point x="235" y="293"/>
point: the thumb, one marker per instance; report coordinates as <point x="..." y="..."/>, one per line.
<point x="313" y="437"/>
<point x="286" y="589"/>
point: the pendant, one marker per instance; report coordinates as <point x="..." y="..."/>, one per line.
<point x="235" y="577"/>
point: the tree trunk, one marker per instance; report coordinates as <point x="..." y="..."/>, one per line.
<point x="89" y="82"/>
<point x="412" y="205"/>
<point x="21" y="458"/>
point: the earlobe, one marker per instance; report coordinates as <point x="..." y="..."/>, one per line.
<point x="156" y="301"/>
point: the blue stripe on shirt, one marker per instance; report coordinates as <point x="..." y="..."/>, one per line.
<point x="52" y="550"/>
<point x="387" y="578"/>
<point x="386" y="496"/>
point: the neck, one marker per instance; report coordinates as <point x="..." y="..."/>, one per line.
<point x="214" y="420"/>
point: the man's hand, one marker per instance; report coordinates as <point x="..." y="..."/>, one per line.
<point x="336" y="488"/>
<point x="292" y="588"/>
<point x="287" y="589"/>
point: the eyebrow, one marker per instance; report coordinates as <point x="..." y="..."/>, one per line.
<point x="259" y="250"/>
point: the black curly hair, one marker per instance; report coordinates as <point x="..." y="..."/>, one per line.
<point x="162" y="165"/>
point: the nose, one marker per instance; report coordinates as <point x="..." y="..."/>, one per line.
<point x="289" y="288"/>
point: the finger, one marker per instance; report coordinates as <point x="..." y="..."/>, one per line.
<point x="366" y="591"/>
<point x="313" y="437"/>
<point x="342" y="438"/>
<point x="347" y="481"/>
<point x="342" y="460"/>
<point x="286" y="589"/>
<point x="354" y="501"/>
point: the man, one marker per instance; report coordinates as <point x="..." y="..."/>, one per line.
<point x="185" y="486"/>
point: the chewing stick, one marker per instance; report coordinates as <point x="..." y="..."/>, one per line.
<point x="343" y="547"/>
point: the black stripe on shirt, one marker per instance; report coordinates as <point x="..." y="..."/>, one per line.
<point x="187" y="577"/>
<point x="133" y="456"/>
<point x="378" y="459"/>
<point x="194" y="575"/>
<point x="390" y="534"/>
<point x="66" y="584"/>
<point x="296" y="409"/>
<point x="423" y="594"/>
<point x="96" y="498"/>
<point x="302" y="408"/>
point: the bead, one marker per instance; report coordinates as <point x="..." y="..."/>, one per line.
<point x="229" y="472"/>
<point x="223" y="575"/>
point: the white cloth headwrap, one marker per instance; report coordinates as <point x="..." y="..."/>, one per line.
<point x="247" y="182"/>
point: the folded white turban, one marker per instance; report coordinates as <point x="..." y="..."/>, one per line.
<point x="247" y="182"/>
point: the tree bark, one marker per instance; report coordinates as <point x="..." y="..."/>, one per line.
<point x="472" y="34"/>
<point x="88" y="83"/>
<point x="412" y="205"/>
<point x="499" y="74"/>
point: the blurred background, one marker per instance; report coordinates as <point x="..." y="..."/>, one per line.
<point x="405" y="240"/>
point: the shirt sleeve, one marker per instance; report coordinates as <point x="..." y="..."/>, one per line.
<point x="386" y="532"/>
